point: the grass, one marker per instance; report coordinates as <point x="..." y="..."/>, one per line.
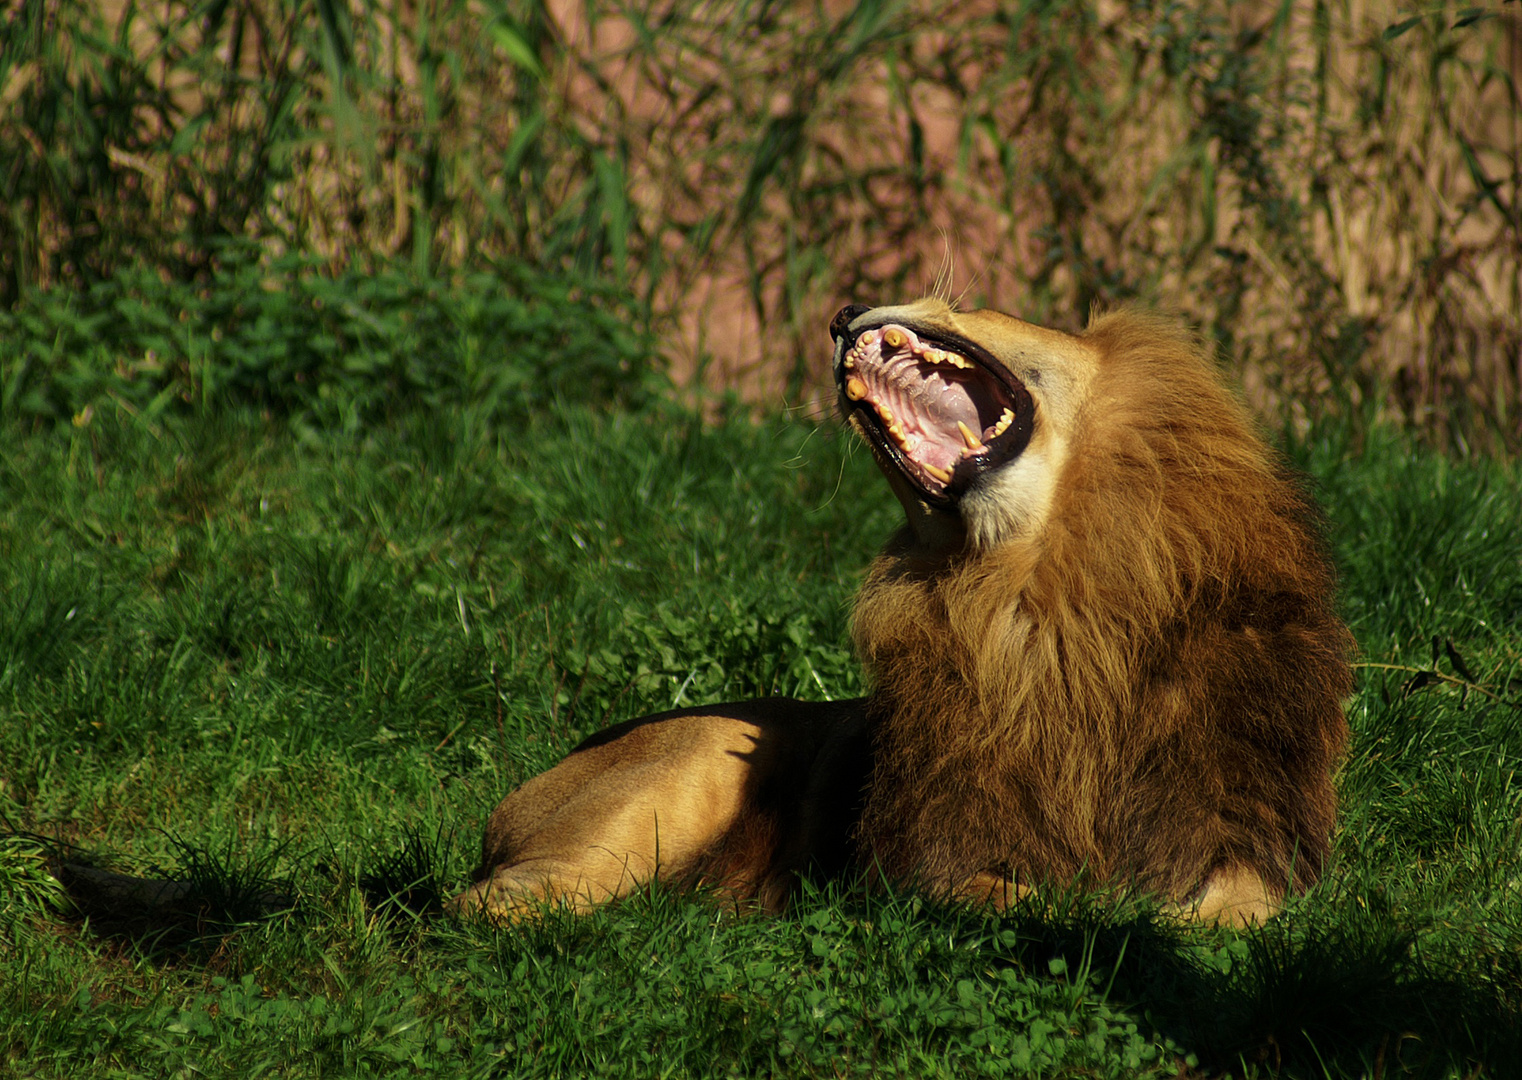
<point x="330" y="349"/>
<point x="314" y="539"/>
<point x="261" y="655"/>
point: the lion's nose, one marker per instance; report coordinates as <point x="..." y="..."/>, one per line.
<point x="843" y="319"/>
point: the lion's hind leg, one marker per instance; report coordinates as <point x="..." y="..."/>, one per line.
<point x="998" y="890"/>
<point x="652" y="797"/>
<point x="1231" y="895"/>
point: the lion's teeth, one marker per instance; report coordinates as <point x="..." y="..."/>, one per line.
<point x="850" y="361"/>
<point x="972" y="442"/>
<point x="894" y="338"/>
<point x="855" y="388"/>
<point x="943" y="475"/>
<point x="946" y="356"/>
<point x="887" y="414"/>
<point x="1006" y="418"/>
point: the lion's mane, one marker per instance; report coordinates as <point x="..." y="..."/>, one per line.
<point x="1146" y="687"/>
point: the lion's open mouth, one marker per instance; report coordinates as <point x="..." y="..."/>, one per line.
<point x="941" y="411"/>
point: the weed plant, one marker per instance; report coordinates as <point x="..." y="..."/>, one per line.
<point x="328" y="350"/>
<point x="259" y="655"/>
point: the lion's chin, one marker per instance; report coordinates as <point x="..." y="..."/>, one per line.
<point x="939" y="411"/>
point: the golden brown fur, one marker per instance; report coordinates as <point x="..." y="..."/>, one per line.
<point x="1114" y="658"/>
<point x="1147" y="688"/>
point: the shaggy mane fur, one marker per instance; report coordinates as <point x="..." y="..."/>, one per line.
<point x="1145" y="689"/>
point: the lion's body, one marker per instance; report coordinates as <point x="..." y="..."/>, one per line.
<point x="1113" y="657"/>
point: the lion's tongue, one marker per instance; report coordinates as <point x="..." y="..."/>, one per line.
<point x="937" y="406"/>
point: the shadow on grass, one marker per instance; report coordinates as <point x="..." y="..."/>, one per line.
<point x="215" y="891"/>
<point x="1340" y="991"/>
<point x="1341" y="986"/>
<point x="409" y="883"/>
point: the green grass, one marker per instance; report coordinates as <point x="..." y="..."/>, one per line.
<point x="333" y="350"/>
<point x="260" y="654"/>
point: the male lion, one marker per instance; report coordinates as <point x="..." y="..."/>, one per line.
<point x="1102" y="645"/>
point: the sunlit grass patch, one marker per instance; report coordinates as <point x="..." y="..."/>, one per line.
<point x="240" y="655"/>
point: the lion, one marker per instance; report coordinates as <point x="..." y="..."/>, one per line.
<point x="1102" y="649"/>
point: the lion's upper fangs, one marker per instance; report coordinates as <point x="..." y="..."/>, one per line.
<point x="895" y="338"/>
